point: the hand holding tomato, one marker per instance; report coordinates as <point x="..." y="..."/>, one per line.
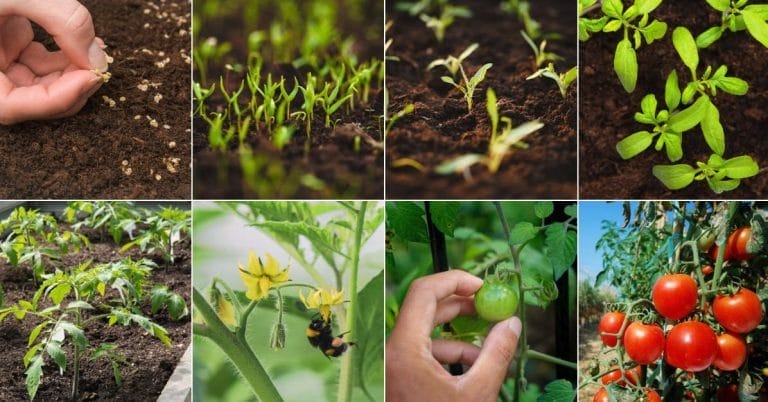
<point x="496" y="300"/>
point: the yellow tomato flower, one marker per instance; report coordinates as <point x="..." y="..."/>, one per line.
<point x="226" y="311"/>
<point x="322" y="300"/>
<point x="259" y="278"/>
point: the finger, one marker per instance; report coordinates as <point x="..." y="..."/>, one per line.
<point x="71" y="26"/>
<point x="79" y="105"/>
<point x="41" y="61"/>
<point x="419" y="307"/>
<point x="447" y="351"/>
<point x="40" y="102"/>
<point x="490" y="368"/>
<point x="452" y="306"/>
<point x="15" y="34"/>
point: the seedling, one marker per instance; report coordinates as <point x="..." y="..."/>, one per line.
<point x="522" y="9"/>
<point x="588" y="26"/>
<point x="737" y="16"/>
<point x="468" y="89"/>
<point x="282" y="136"/>
<point x="498" y="146"/>
<point x="540" y="55"/>
<point x="563" y="80"/>
<point x="453" y="64"/>
<point x="310" y="99"/>
<point x="217" y="138"/>
<point x="330" y="101"/>
<point x="232" y="98"/>
<point x="407" y="109"/>
<point x="721" y="174"/>
<point x="209" y="50"/>
<point x="625" y="58"/>
<point x="448" y="15"/>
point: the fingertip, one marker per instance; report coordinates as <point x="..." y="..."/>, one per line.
<point x="97" y="57"/>
<point x="515" y="325"/>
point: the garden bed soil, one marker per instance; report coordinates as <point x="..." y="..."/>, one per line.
<point x="82" y="156"/>
<point x="149" y="362"/>
<point x="606" y="110"/>
<point x="332" y="158"/>
<point x="440" y="128"/>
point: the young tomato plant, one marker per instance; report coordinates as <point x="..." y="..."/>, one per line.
<point x="737" y="16"/>
<point x="688" y="334"/>
<point x="469" y="84"/>
<point x="563" y="80"/>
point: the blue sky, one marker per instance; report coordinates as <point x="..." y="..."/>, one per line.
<point x="591" y="217"/>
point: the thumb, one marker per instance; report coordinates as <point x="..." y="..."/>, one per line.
<point x="71" y="26"/>
<point x="499" y="348"/>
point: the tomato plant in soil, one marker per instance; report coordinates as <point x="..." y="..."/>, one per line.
<point x="675" y="296"/>
<point x="440" y="128"/>
<point x="115" y="152"/>
<point x="606" y="109"/>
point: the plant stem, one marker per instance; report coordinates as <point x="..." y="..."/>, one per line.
<point x="240" y="354"/>
<point x="535" y="354"/>
<point x="76" y="362"/>
<point x="347" y="373"/>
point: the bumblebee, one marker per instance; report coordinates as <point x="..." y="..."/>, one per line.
<point x="320" y="335"/>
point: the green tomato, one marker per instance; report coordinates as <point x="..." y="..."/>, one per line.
<point x="496" y="300"/>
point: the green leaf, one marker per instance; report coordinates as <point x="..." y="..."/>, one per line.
<point x="522" y="232"/>
<point x="689" y="117"/>
<point x="613" y="8"/>
<point x="543" y="209"/>
<point x="458" y="164"/>
<point x="648" y="105"/>
<point x="672" y="91"/>
<point x="77" y="334"/>
<point x="625" y="65"/>
<point x="406" y="219"/>
<point x="741" y="167"/>
<point x="756" y="26"/>
<point x="58" y="293"/>
<point x="467" y="327"/>
<point x="634" y="144"/>
<point x="34" y="374"/>
<point x="571" y="210"/>
<point x="674" y="177"/>
<point x="646" y="6"/>
<point x="36" y="332"/>
<point x="560" y="248"/>
<point x="654" y="31"/>
<point x="53" y="348"/>
<point x="713" y="130"/>
<point x="80" y="305"/>
<point x="708" y="37"/>
<point x="161" y="334"/>
<point x="158" y="298"/>
<point x="177" y="307"/>
<point x="31" y="354"/>
<point x="720" y="186"/>
<point x="558" y="391"/>
<point x="612" y="26"/>
<point x="686" y="48"/>
<point x="368" y="357"/>
<point x="445" y="215"/>
<point x="720" y="5"/>
<point x="732" y="85"/>
<point x="673" y="144"/>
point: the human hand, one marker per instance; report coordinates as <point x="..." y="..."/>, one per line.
<point x="38" y="84"/>
<point x="414" y="360"/>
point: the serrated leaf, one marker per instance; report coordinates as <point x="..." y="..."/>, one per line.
<point x="612" y="26"/>
<point x="36" y="332"/>
<point x="101" y="287"/>
<point x="34" y="373"/>
<point x="571" y="210"/>
<point x="77" y="334"/>
<point x="31" y="352"/>
<point x="635" y="143"/>
<point x="625" y="65"/>
<point x="444" y="216"/>
<point x="674" y="177"/>
<point x="672" y="91"/>
<point x="560" y="248"/>
<point x="686" y="48"/>
<point x="558" y="391"/>
<point x="158" y="298"/>
<point x="161" y="334"/>
<point x="756" y="26"/>
<point x="543" y="209"/>
<point x="673" y="145"/>
<point x="406" y="219"/>
<point x="713" y="130"/>
<point x="522" y="232"/>
<point x="54" y="350"/>
<point x="58" y="293"/>
<point x="689" y="117"/>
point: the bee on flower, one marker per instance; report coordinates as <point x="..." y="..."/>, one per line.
<point x="259" y="277"/>
<point x="322" y="300"/>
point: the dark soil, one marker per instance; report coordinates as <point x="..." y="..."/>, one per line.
<point x="606" y="110"/>
<point x="149" y="362"/>
<point x="440" y="128"/>
<point x="332" y="158"/>
<point x="82" y="156"/>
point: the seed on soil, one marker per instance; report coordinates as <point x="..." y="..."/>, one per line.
<point x="137" y="117"/>
<point x="154" y="123"/>
<point x="167" y="127"/>
<point x="158" y="97"/>
<point x="162" y="63"/>
<point x="109" y="101"/>
<point x="172" y="144"/>
<point x="122" y="99"/>
<point x="171" y="164"/>
<point x="158" y="177"/>
<point x="145" y="85"/>
<point x="127" y="170"/>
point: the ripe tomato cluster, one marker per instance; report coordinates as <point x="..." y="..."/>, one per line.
<point x="691" y="343"/>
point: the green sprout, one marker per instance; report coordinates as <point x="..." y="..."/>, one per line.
<point x="208" y="51"/>
<point x="468" y="89"/>
<point x="407" y="109"/>
<point x="282" y="136"/>
<point x="270" y="95"/>
<point x="563" y="80"/>
<point x="625" y="58"/>
<point x="453" y="64"/>
<point x="522" y="9"/>
<point x="737" y="16"/>
<point x="540" y="56"/>
<point x="448" y="15"/>
<point x="330" y="101"/>
<point x="310" y="99"/>
<point x="721" y="174"/>
<point x="201" y="94"/>
<point x="498" y="146"/>
<point x="217" y="138"/>
<point x="232" y="98"/>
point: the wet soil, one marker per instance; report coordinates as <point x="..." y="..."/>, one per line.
<point x="441" y="129"/>
<point x="149" y="363"/>
<point x="82" y="156"/>
<point x="606" y="110"/>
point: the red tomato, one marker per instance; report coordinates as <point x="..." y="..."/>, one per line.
<point x="644" y="343"/>
<point x="735" y="246"/>
<point x="610" y="323"/>
<point x="632" y="375"/>
<point x="707" y="270"/>
<point x="731" y="352"/>
<point x="653" y="396"/>
<point x="739" y="313"/>
<point x="675" y="296"/>
<point x="691" y="346"/>
<point x="601" y="396"/>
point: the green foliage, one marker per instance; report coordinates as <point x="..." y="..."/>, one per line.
<point x="447" y="15"/>
<point x="563" y="80"/>
<point x="469" y="84"/>
<point x="721" y="174"/>
<point x="522" y="9"/>
<point x="163" y="229"/>
<point x="737" y="16"/>
<point x="160" y="297"/>
<point x="540" y="55"/>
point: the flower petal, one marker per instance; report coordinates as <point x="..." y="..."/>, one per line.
<point x="254" y="264"/>
<point x="271" y="268"/>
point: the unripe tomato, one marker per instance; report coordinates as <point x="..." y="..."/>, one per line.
<point x="691" y="346"/>
<point x="610" y="323"/>
<point x="731" y="352"/>
<point x="496" y="300"/>
<point x="644" y="343"/>
<point x="706" y="240"/>
<point x="739" y="313"/>
<point x="675" y="295"/>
